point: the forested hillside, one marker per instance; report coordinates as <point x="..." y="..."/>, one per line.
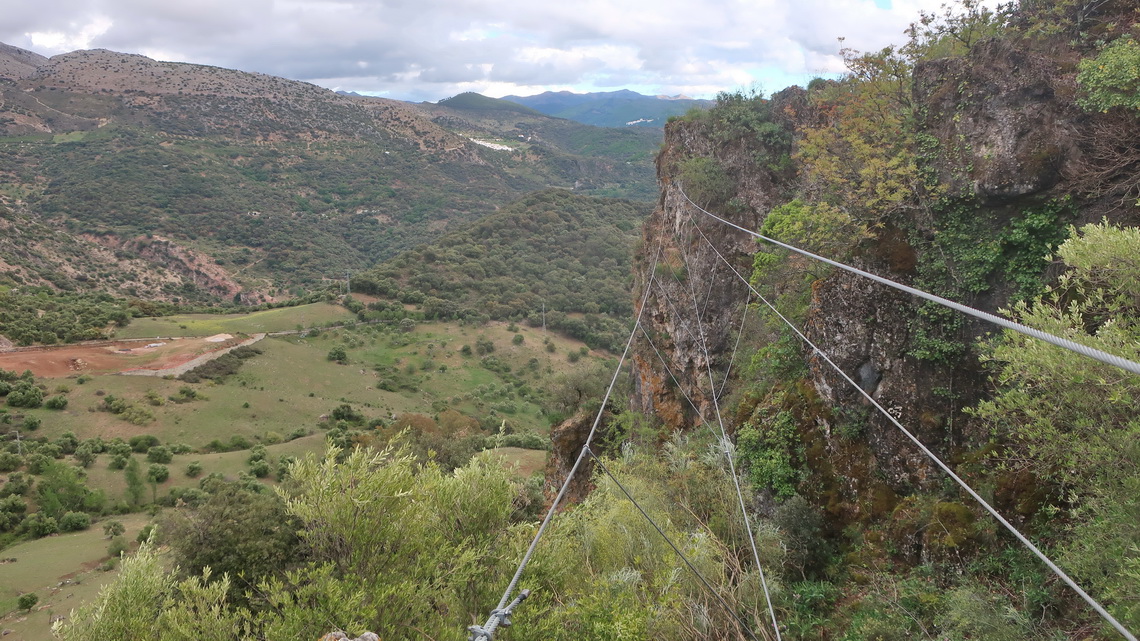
<point x="225" y="183"/>
<point x="554" y="251"/>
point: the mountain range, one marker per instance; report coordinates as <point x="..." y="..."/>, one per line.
<point x="174" y="181"/>
<point x="622" y="108"/>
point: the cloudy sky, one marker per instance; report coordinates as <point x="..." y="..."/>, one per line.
<point x="431" y="49"/>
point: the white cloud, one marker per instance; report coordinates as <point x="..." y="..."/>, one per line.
<point x="76" y="36"/>
<point x="429" y="49"/>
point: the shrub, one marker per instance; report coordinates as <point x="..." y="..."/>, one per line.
<point x="706" y="181"/>
<point x="40" y="525"/>
<point x="157" y="473"/>
<point x="37" y="463"/>
<point x="117" y="546"/>
<point x="193" y="469"/>
<point x="9" y="462"/>
<point x="56" y="403"/>
<point x="142" y="442"/>
<point x="74" y="521"/>
<point x="159" y="454"/>
<point x="1112" y="79"/>
<point x="238" y="442"/>
<point x="27" y="601"/>
<point x="259" y="468"/>
<point x="25" y="394"/>
<point x="113" y="528"/>
<point x="517" y="339"/>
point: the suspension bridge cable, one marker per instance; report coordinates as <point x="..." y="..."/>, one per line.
<point x="669" y="371"/>
<point x="945" y="468"/>
<point x="676" y="313"/>
<point x="1064" y="343"/>
<point x="735" y="347"/>
<point x="486" y="631"/>
<point x="664" y="536"/>
<point x="726" y="445"/>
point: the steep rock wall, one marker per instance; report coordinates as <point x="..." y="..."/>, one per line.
<point x="694" y="306"/>
<point x="1002" y="135"/>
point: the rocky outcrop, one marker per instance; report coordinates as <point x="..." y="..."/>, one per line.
<point x="1003" y="118"/>
<point x="566" y="441"/>
<point x="688" y="262"/>
<point x="998" y="132"/>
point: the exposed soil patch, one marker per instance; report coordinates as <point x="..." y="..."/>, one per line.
<point x="113" y="356"/>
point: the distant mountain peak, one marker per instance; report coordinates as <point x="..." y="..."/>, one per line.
<point x="621" y="108"/>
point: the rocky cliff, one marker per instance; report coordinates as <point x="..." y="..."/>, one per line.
<point x="1003" y="161"/>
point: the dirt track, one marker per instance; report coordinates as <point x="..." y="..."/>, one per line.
<point x="179" y="370"/>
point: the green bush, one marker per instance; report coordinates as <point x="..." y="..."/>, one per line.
<point x="259" y="468"/>
<point x="56" y="403"/>
<point x="706" y="182"/>
<point x="117" y="546"/>
<point x="74" y="521"/>
<point x="1112" y="79"/>
<point x="25" y="394"/>
<point x="112" y="529"/>
<point x="27" y="601"/>
<point x="193" y="469"/>
<point x="157" y="473"/>
<point x="9" y="462"/>
<point x="39" y="525"/>
<point x="159" y="454"/>
<point x="142" y="442"/>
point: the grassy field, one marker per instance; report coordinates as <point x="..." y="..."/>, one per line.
<point x="62" y="570"/>
<point x="292" y="384"/>
<point x="270" y="320"/>
<point x="279" y="394"/>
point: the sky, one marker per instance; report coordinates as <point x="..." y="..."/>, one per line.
<point x="427" y="50"/>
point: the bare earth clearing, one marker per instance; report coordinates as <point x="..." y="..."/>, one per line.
<point x="150" y="357"/>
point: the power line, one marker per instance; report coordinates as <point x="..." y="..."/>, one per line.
<point x="1064" y="343"/>
<point x="945" y="468"/>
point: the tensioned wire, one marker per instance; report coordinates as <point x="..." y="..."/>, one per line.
<point x="676" y="549"/>
<point x="1064" y="343"/>
<point x="493" y="621"/>
<point x="728" y="454"/>
<point x="727" y="449"/>
<point x="945" y="468"/>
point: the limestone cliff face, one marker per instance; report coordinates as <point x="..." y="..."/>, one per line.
<point x="1001" y="133"/>
<point x="694" y="306"/>
<point x="1004" y="119"/>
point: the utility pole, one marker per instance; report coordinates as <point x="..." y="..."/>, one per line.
<point x="544" y="317"/>
<point x="19" y="445"/>
<point x="347" y="283"/>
